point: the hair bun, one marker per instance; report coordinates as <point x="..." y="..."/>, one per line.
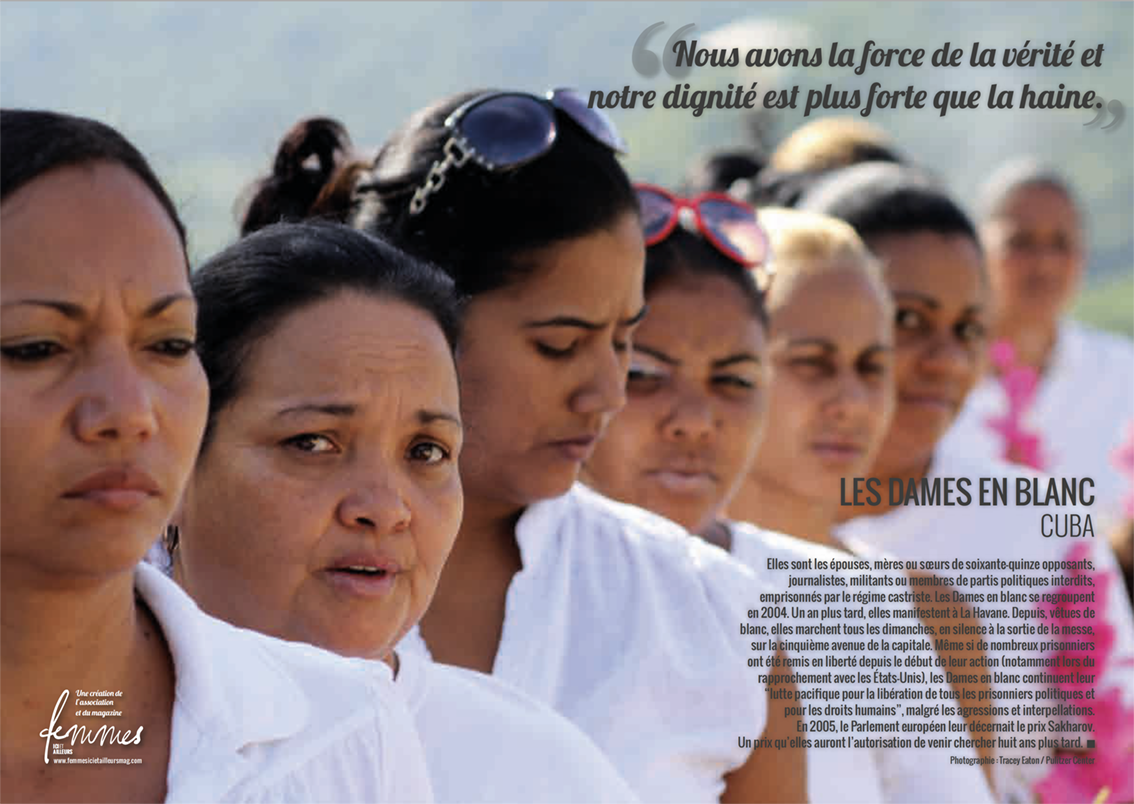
<point x="308" y="159"/>
<point x="322" y="137"/>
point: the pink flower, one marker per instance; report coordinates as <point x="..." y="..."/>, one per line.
<point x="1019" y="383"/>
<point x="1111" y="721"/>
<point x="1123" y="460"/>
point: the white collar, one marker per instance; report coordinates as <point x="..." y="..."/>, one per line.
<point x="230" y="692"/>
<point x="539" y="525"/>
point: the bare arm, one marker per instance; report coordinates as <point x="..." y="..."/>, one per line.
<point x="772" y="774"/>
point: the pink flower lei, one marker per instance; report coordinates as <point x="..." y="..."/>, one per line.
<point x="1019" y="382"/>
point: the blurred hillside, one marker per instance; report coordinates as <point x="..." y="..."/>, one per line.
<point x="207" y="89"/>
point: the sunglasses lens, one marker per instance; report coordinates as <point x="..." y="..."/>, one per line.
<point x="657" y="210"/>
<point x="509" y="130"/>
<point x="594" y="121"/>
<point x="736" y="229"/>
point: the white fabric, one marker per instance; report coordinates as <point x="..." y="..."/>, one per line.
<point x="259" y="719"/>
<point x="1082" y="407"/>
<point x="1007" y="532"/>
<point x="487" y="742"/>
<point x="858" y="774"/>
<point x="631" y="629"/>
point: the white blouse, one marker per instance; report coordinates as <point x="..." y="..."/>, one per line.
<point x="488" y="742"/>
<point x="258" y="719"/>
<point x="1009" y="533"/>
<point x="859" y="774"/>
<point x="631" y="629"/>
<point x="1082" y="407"/>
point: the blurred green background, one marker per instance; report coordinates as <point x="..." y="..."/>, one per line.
<point x="207" y="89"/>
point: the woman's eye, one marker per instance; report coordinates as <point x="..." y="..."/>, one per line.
<point x="873" y="369"/>
<point x="908" y="319"/>
<point x="809" y="365"/>
<point x="31" y="352"/>
<point x="969" y="331"/>
<point x="429" y="453"/>
<point x="174" y="347"/>
<point x="554" y="352"/>
<point x="733" y="381"/>
<point x="312" y="443"/>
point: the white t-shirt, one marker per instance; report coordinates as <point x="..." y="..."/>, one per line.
<point x="856" y="774"/>
<point x="631" y="629"/>
<point x="1007" y="532"/>
<point x="1082" y="407"/>
<point x="260" y="719"/>
<point x="487" y="742"/>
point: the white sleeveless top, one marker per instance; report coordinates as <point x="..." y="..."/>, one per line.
<point x="631" y="629"/>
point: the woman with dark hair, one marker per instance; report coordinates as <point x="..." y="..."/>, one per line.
<point x="103" y="407"/>
<point x="586" y="604"/>
<point x="1034" y="234"/>
<point x="799" y="361"/>
<point x="330" y="456"/>
<point x="934" y="267"/>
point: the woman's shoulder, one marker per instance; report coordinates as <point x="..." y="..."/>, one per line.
<point x="540" y="753"/>
<point x="754" y="545"/>
<point x="278" y="719"/>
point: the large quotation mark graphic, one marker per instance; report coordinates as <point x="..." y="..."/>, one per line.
<point x="646" y="62"/>
<point x="1116" y="109"/>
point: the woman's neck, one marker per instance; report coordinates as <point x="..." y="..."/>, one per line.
<point x="901" y="470"/>
<point x="1033" y="341"/>
<point x="774" y="506"/>
<point x="69" y="637"/>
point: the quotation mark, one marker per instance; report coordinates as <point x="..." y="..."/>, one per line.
<point x="646" y="62"/>
<point x="1116" y="109"/>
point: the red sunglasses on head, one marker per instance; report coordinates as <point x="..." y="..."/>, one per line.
<point x="728" y="224"/>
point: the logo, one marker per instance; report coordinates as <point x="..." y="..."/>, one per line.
<point x="104" y="735"/>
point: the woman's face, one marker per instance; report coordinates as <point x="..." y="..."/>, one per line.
<point x="327" y="498"/>
<point x="939" y="291"/>
<point x="1035" y="253"/>
<point x="696" y="395"/>
<point x="102" y="396"/>
<point x="831" y="391"/>
<point x="543" y="365"/>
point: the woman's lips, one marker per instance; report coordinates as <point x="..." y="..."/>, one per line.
<point x="838" y="451"/>
<point x="577" y="450"/>
<point x="683" y="481"/>
<point x="120" y="488"/>
<point x="364" y="576"/>
<point x="940" y="403"/>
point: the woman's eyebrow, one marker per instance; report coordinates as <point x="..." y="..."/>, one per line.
<point x="825" y="345"/>
<point x="928" y="301"/>
<point x="740" y="357"/>
<point x="656" y="354"/>
<point x="582" y="323"/>
<point x="76" y="312"/>
<point x="326" y="408"/>
<point x="429" y="416"/>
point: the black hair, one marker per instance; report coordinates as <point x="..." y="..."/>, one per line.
<point x="780" y="188"/>
<point x="879" y="199"/>
<point x="480" y="227"/>
<point x="36" y="142"/>
<point x="307" y="172"/>
<point x="720" y="171"/>
<point x="245" y="291"/>
<point x="684" y="254"/>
